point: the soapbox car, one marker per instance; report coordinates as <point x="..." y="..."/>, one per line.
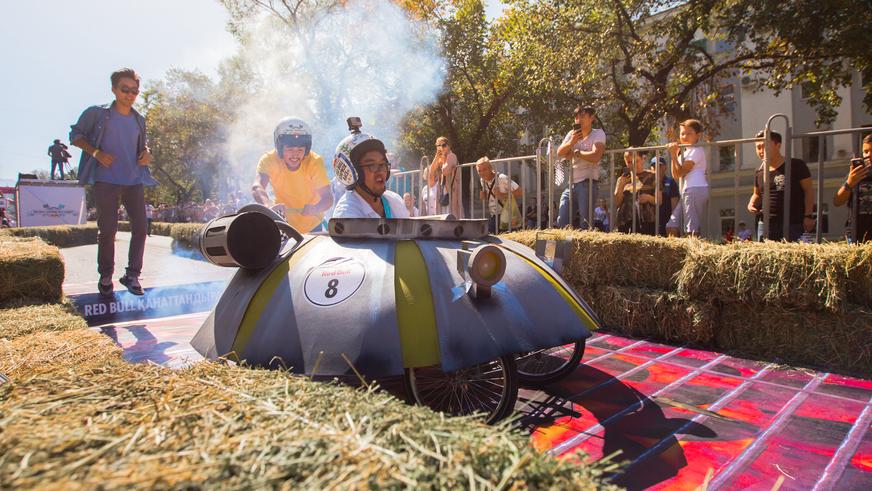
<point x="459" y="314"/>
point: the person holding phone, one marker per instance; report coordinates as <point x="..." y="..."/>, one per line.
<point x="445" y="164"/>
<point x="636" y="179"/>
<point x="584" y="145"/>
<point x="858" y="185"/>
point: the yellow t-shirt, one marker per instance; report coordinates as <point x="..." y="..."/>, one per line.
<point x="298" y="188"/>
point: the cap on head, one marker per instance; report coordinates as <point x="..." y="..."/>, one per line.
<point x="658" y="160"/>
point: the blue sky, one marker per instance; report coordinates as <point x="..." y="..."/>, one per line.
<point x="57" y="56"/>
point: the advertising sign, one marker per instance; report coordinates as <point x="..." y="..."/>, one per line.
<point x="42" y="202"/>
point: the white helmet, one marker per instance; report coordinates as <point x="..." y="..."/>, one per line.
<point x="292" y="132"/>
<point x="346" y="161"/>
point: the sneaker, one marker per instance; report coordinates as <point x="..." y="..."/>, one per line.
<point x="132" y="284"/>
<point x="105" y="287"/>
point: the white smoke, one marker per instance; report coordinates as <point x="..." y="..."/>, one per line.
<point x="366" y="59"/>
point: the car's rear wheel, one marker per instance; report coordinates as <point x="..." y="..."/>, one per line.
<point x="490" y="388"/>
<point x="550" y="364"/>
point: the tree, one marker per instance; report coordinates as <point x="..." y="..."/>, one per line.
<point x="325" y="60"/>
<point x="823" y="44"/>
<point x="186" y="129"/>
<point x="643" y="60"/>
<point x="476" y="108"/>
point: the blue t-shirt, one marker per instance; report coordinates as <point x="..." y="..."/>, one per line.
<point x="120" y="139"/>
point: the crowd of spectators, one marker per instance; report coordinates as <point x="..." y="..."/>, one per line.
<point x="188" y="212"/>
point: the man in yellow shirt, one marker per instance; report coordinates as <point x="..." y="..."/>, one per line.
<point x="298" y="177"/>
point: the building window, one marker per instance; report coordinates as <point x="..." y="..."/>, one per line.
<point x="805" y="89"/>
<point x="811" y="148"/>
<point x="727" y="157"/>
<point x="728" y="218"/>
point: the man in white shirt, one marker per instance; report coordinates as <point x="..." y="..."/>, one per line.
<point x="495" y="191"/>
<point x="585" y="146"/>
<point x="361" y="164"/>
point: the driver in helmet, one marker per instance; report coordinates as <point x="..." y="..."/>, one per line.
<point x="298" y="176"/>
<point x="362" y="165"/>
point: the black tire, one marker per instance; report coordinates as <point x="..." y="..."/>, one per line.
<point x="490" y="388"/>
<point x="549" y="365"/>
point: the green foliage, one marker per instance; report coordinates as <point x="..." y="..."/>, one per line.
<point x="648" y="63"/>
<point x="821" y="45"/>
<point x="186" y="116"/>
<point x="476" y="109"/>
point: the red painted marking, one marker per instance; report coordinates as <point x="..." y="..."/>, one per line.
<point x="752" y="455"/>
<point x="849" y="445"/>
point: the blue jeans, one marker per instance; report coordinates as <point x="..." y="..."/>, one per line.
<point x="584" y="193"/>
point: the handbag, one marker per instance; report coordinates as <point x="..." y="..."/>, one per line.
<point x="507" y="211"/>
<point x="510" y="218"/>
<point x="445" y="199"/>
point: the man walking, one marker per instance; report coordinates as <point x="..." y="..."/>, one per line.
<point x="115" y="159"/>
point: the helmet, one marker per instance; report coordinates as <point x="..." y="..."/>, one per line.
<point x="292" y="132"/>
<point x="346" y="161"/>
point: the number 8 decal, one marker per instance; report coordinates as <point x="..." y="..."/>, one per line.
<point x="331" y="288"/>
<point x="334" y="281"/>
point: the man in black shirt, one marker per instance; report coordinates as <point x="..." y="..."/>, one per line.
<point x="859" y="184"/>
<point x="801" y="196"/>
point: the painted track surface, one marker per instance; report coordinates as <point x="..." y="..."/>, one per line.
<point x="675" y="415"/>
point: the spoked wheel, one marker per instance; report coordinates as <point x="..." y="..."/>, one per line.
<point x="550" y="364"/>
<point x="490" y="388"/>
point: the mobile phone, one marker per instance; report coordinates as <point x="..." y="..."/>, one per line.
<point x="576" y="127"/>
<point x="626" y="172"/>
<point x="859" y="162"/>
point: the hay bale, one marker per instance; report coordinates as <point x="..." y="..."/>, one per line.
<point x="58" y="235"/>
<point x="792" y="276"/>
<point x="834" y="341"/>
<point x="860" y="276"/>
<point x="157" y="228"/>
<point x="77" y="416"/>
<point x="659" y="314"/>
<point x="27" y="319"/>
<point x="186" y="234"/>
<point x="597" y="258"/>
<point x="30" y="269"/>
<point x="161" y="228"/>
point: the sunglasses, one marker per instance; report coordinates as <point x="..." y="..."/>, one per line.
<point x="376" y="168"/>
<point x="129" y="90"/>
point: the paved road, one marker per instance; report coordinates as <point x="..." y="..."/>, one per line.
<point x="161" y="267"/>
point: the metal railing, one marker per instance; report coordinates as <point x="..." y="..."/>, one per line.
<point x="531" y="174"/>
